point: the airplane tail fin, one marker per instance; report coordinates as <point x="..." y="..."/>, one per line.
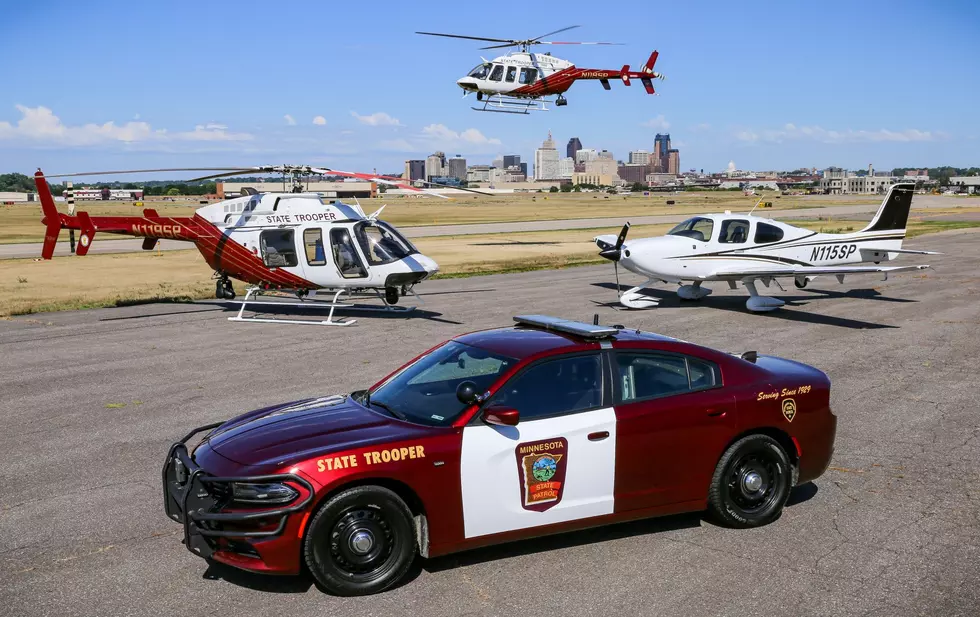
<point x="51" y="220"/>
<point x="893" y="214"/>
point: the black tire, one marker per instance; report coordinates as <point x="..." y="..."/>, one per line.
<point x="344" y="569"/>
<point x="737" y="498"/>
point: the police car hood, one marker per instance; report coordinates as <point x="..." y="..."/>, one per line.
<point x="294" y="432"/>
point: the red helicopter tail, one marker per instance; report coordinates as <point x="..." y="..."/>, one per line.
<point x="646" y="74"/>
<point x="52" y="219"/>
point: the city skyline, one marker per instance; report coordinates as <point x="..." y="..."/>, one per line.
<point x="178" y="104"/>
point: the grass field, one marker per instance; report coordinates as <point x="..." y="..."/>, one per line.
<point x="22" y="222"/>
<point x="28" y="286"/>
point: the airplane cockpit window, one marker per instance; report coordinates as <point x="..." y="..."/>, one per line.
<point x="480" y="71"/>
<point x="766" y="233"/>
<point x="511" y="74"/>
<point x="697" y="228"/>
<point x="382" y="244"/>
<point x="278" y="248"/>
<point x="528" y="76"/>
<point x="497" y="73"/>
<point x="345" y="255"/>
<point x="734" y="231"/>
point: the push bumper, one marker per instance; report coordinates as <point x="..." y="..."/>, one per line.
<point x="202" y="504"/>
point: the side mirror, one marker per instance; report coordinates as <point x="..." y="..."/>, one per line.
<point x="466" y="393"/>
<point x="501" y="416"/>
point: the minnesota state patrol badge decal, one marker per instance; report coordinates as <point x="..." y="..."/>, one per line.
<point x="541" y="469"/>
<point x="789" y="409"/>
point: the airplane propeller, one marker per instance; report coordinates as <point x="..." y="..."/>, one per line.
<point x="615" y="253"/>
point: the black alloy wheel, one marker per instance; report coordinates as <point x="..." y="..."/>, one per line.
<point x="751" y="483"/>
<point x="361" y="541"/>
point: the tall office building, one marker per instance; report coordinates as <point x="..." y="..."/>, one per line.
<point x="512" y="160"/>
<point x="673" y="162"/>
<point x="586" y="154"/>
<point x="414" y="170"/>
<point x="498" y="163"/>
<point x="435" y="165"/>
<point x="546" y="161"/>
<point x="523" y="167"/>
<point x="574" y="145"/>
<point x="661" y="146"/>
<point x="566" y="167"/>
<point x="639" y="157"/>
<point x="456" y="168"/>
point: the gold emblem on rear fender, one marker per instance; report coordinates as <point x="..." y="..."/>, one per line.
<point x="789" y="409"/>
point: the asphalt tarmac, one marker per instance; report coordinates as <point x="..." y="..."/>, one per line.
<point x="90" y="401"/>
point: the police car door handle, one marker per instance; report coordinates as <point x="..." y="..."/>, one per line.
<point x="716" y="412"/>
<point x="598" y="436"/>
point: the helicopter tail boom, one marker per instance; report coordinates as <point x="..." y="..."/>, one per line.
<point x="646" y="74"/>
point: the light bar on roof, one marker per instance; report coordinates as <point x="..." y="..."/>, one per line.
<point x="578" y="328"/>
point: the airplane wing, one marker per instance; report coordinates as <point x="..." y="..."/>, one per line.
<point x="778" y="271"/>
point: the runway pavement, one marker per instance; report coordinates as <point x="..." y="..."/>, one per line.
<point x="104" y="245"/>
<point x="91" y="400"/>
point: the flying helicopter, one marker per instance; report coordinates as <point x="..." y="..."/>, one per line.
<point x="293" y="242"/>
<point x="741" y="247"/>
<point x="522" y="81"/>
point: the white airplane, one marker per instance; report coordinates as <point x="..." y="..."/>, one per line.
<point x="741" y="247"/>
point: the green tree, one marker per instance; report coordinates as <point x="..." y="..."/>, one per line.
<point x="553" y="189"/>
<point x="173" y="191"/>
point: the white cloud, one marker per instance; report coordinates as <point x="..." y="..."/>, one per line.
<point x="660" y="123"/>
<point x="442" y="134"/>
<point x="40" y="125"/>
<point x="320" y="121"/>
<point x="791" y="132"/>
<point x="289" y="120"/>
<point x="441" y="137"/>
<point x="379" y="118"/>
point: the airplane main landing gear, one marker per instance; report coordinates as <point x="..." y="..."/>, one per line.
<point x="561" y="101"/>
<point x="223" y="289"/>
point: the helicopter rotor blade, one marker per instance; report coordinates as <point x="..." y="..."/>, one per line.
<point x="471" y="38"/>
<point x="574" y="43"/>
<point x="236" y="172"/>
<point x="535" y="39"/>
<point x="142" y="171"/>
<point x="513" y="44"/>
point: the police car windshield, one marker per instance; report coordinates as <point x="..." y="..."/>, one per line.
<point x="425" y="392"/>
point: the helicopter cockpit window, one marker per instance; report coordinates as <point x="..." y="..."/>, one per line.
<point x="528" y="76"/>
<point x="381" y="243"/>
<point x="345" y="255"/>
<point x="511" y="74"/>
<point x="278" y="248"/>
<point x="480" y="72"/>
<point x="313" y="241"/>
<point x="697" y="228"/>
<point x="497" y="72"/>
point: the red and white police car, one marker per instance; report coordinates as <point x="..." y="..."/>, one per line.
<point x="498" y="435"/>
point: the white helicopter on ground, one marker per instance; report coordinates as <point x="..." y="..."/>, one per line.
<point x="741" y="247"/>
<point x="275" y="242"/>
<point x="520" y="82"/>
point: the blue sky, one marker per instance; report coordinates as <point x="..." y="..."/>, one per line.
<point x="764" y="84"/>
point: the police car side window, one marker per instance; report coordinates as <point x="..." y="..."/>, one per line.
<point x="648" y="375"/>
<point x="554" y="387"/>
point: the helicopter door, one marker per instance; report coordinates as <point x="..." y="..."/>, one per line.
<point x="345" y="254"/>
<point x="316" y="254"/>
<point x="278" y="248"/>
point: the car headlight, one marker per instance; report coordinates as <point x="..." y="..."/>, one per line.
<point x="262" y="493"/>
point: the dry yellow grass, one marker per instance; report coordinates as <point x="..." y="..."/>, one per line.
<point x="28" y="286"/>
<point x="22" y="222"/>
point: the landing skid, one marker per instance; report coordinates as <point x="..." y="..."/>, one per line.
<point x="516" y="105"/>
<point x="332" y="304"/>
